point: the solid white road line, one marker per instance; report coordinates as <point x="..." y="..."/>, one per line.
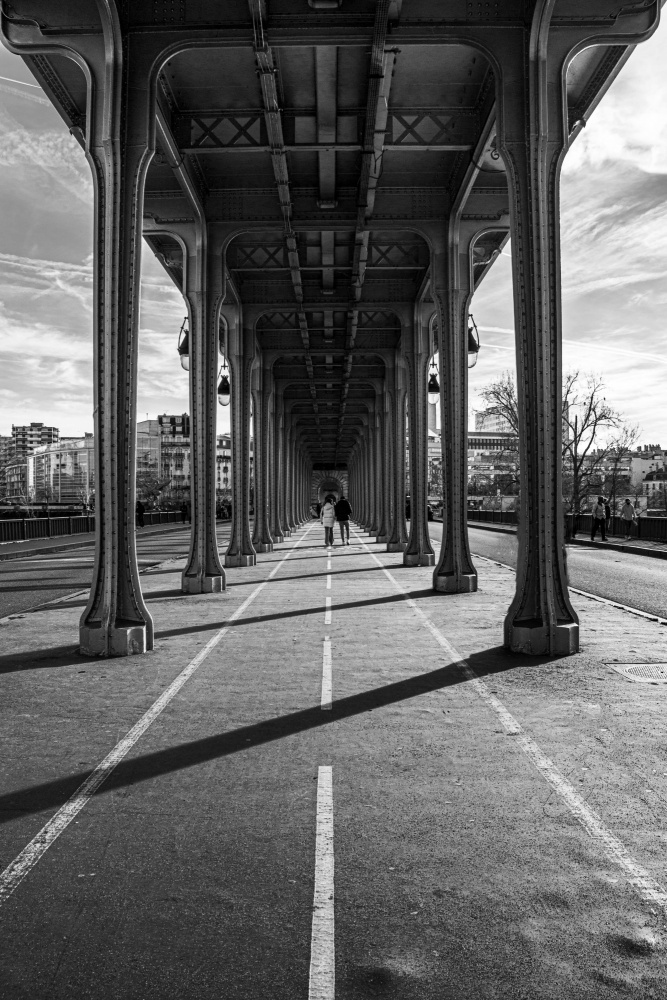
<point x="327" y="681"/>
<point x="322" y="981"/>
<point x="328" y="582"/>
<point x="327" y="612"/>
<point x="638" y="877"/>
<point x="584" y="593"/>
<point x="17" y="870"/>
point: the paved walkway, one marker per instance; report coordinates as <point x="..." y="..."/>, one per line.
<point x="492" y="828"/>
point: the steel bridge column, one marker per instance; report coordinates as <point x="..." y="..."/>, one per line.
<point x="362" y="498"/>
<point x="380" y="535"/>
<point x="398" y="533"/>
<point x="274" y="468"/>
<point x="289" y="473"/>
<point x="532" y="138"/>
<point x="383" y="466"/>
<point x="116" y="621"/>
<point x="419" y="551"/>
<point x="374" y="522"/>
<point x="203" y="572"/>
<point x="261" y="538"/>
<point x="367" y="479"/>
<point x="281" y="452"/>
<point x="240" y="551"/>
<point x="455" y="572"/>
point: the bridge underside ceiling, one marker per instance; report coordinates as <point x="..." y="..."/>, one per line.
<point x="330" y="145"/>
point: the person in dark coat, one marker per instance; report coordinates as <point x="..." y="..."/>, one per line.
<point x="599" y="520"/>
<point x="140" y="514"/>
<point x="343" y="510"/>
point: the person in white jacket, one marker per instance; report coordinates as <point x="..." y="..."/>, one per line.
<point x="628" y="514"/>
<point x="328" y="519"/>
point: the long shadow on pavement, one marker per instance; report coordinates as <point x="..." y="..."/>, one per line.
<point x="52" y="794"/>
<point x="259" y="619"/>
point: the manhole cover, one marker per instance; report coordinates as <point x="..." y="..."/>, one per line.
<point x="652" y="673"/>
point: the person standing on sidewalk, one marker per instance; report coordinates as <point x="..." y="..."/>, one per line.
<point x="343" y="510"/>
<point x="140" y="514"/>
<point x="628" y="516"/>
<point x="328" y="519"/>
<point x="599" y="520"/>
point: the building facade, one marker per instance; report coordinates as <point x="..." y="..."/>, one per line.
<point x="27" y="437"/>
<point x="492" y="423"/>
<point x="649" y="458"/>
<point x="62" y="472"/>
<point x="174" y="434"/>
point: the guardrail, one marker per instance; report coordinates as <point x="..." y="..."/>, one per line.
<point x="493" y="516"/>
<point x="22" y="529"/>
<point x="647" y="529"/>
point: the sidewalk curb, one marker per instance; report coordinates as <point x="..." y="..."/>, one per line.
<point x="634" y="550"/>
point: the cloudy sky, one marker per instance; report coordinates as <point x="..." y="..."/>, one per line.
<point x="614" y="232"/>
<point x="614" y="252"/>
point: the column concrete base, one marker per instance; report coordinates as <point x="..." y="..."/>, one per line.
<point x="396" y="546"/>
<point x="533" y="639"/>
<point x="264" y="546"/>
<point x="419" y="559"/>
<point x="241" y="560"/>
<point x="120" y="640"/>
<point x="202" y="585"/>
<point x="453" y="584"/>
<point x="278" y="538"/>
<point x="381" y="539"/>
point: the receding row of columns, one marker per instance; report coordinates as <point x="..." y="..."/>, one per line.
<point x="529" y="56"/>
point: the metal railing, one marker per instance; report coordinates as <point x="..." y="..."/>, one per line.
<point x="647" y="529"/>
<point x="493" y="516"/>
<point x="23" y="529"/>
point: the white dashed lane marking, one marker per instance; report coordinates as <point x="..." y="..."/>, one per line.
<point x="327" y="675"/>
<point x="327" y="612"/>
<point x="322" y="983"/>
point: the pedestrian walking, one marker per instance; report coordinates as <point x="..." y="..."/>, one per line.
<point x="607" y="514"/>
<point x="599" y="520"/>
<point x="628" y="516"/>
<point x="184" y="512"/>
<point x="343" y="510"/>
<point x="328" y="519"/>
<point x="140" y="514"/>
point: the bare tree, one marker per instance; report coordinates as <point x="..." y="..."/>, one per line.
<point x="616" y="479"/>
<point x="587" y="421"/>
<point x="588" y="417"/>
<point x="150" y="483"/>
<point x="501" y="401"/>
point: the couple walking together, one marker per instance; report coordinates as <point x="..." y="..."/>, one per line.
<point x="602" y="516"/>
<point x="332" y="512"/>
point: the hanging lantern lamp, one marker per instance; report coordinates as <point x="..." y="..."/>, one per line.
<point x="473" y="342"/>
<point x="184" y="345"/>
<point x="433" y="384"/>
<point x="224" y="389"/>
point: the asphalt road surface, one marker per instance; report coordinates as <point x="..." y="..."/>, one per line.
<point x="638" y="581"/>
<point x="27" y="583"/>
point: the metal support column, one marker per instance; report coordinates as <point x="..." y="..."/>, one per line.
<point x="240" y="551"/>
